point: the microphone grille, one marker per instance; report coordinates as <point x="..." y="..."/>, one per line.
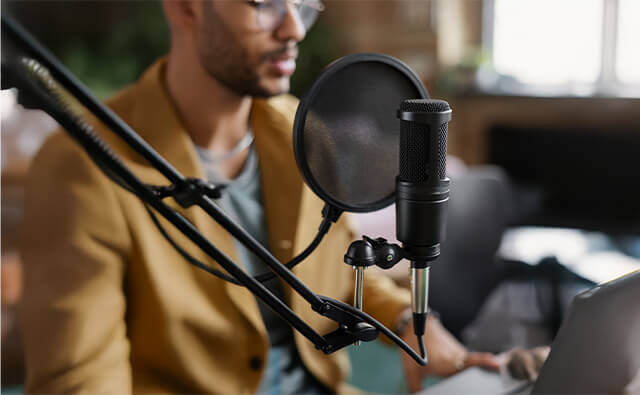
<point x="423" y="146"/>
<point x="424" y="105"/>
<point x="442" y="151"/>
<point x="414" y="152"/>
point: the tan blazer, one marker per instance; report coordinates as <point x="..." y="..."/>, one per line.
<point x="111" y="307"/>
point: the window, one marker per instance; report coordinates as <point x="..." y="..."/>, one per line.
<point x="576" y="47"/>
<point x="628" y="50"/>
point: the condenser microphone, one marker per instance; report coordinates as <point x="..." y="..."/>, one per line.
<point x="422" y="193"/>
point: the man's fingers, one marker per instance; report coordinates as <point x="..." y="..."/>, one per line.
<point x="540" y="355"/>
<point x="482" y="359"/>
<point x="521" y="365"/>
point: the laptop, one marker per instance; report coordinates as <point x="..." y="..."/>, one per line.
<point x="596" y="350"/>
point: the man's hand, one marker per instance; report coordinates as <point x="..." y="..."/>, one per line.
<point x="526" y="364"/>
<point x="446" y="355"/>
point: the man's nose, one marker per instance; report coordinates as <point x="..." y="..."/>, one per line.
<point x="291" y="28"/>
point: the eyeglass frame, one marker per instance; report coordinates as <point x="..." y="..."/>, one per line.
<point x="315" y="5"/>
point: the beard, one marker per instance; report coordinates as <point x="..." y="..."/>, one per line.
<point x="224" y="59"/>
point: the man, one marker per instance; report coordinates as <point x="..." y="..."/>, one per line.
<point x="111" y="307"/>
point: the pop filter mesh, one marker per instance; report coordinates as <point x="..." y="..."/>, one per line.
<point x="350" y="134"/>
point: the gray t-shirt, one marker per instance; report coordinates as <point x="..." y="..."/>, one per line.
<point x="242" y="201"/>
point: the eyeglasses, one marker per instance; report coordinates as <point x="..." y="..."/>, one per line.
<point x="271" y="13"/>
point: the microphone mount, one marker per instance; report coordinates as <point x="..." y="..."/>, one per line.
<point x="368" y="252"/>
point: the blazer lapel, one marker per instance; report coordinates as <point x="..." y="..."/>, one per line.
<point x="158" y="122"/>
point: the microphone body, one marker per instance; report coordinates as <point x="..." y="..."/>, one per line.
<point x="422" y="193"/>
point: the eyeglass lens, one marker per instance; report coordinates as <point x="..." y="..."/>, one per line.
<point x="271" y="13"/>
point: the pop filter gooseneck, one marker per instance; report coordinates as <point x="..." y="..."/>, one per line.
<point x="345" y="134"/>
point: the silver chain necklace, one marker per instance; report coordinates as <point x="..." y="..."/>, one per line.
<point x="244" y="142"/>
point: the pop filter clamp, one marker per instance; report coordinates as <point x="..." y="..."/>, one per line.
<point x="41" y="78"/>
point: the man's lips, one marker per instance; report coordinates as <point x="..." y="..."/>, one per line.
<point x="285" y="64"/>
<point x="284" y="67"/>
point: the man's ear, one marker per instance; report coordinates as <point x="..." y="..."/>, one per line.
<point x="180" y="13"/>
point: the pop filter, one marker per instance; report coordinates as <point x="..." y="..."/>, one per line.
<point x="346" y="134"/>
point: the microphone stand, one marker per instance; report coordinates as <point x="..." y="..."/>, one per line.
<point x="353" y="325"/>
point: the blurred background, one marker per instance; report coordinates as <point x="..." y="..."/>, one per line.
<point x="544" y="143"/>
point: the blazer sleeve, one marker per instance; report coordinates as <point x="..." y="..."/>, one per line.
<point x="74" y="251"/>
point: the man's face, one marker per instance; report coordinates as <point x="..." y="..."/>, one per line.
<point x="236" y="51"/>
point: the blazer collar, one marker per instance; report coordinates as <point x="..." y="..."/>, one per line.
<point x="159" y="122"/>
